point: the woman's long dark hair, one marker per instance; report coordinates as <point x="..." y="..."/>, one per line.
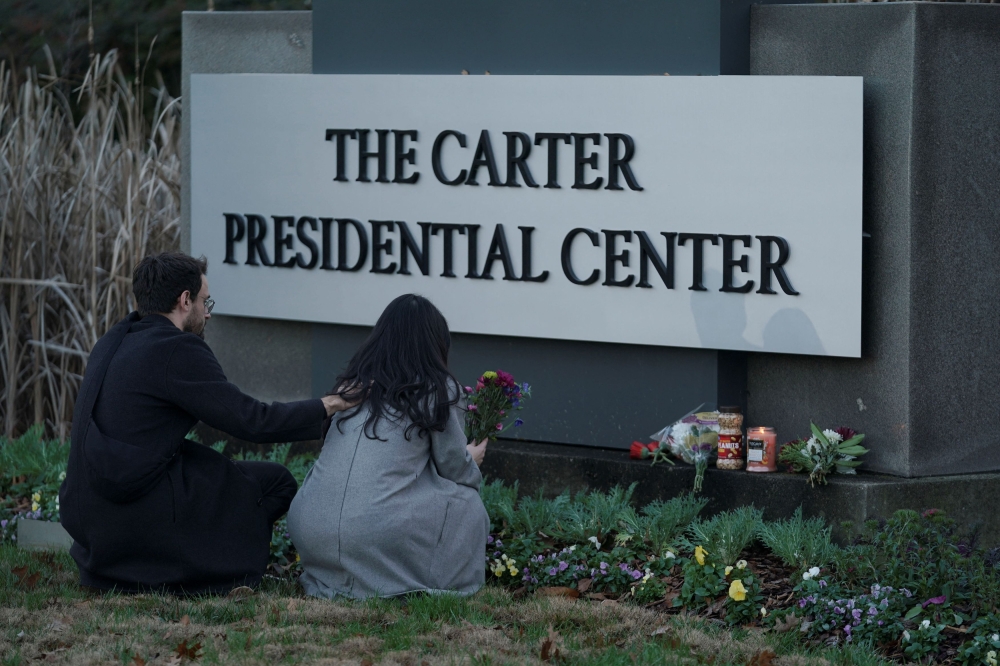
<point x="402" y="368"/>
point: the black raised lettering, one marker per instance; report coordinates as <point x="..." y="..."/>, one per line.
<point x="382" y="154"/>
<point x="436" y="157"/>
<point x="728" y="263"/>
<point x="516" y="159"/>
<point x="256" y="233"/>
<point x="499" y="250"/>
<point x="567" y="256"/>
<point x="616" y="163"/>
<point x="341" y="136"/>
<point x="379" y="246"/>
<point x="484" y="158"/>
<point x="767" y="266"/>
<point x="612" y="258"/>
<point x="402" y="156"/>
<point x="283" y="241"/>
<point x="306" y="239"/>
<point x="359" y="229"/>
<point x="235" y="228"/>
<point x="526" y="275"/>
<point x="473" y="237"/>
<point x="648" y="253"/>
<point x="408" y="246"/>
<point x="449" y="231"/>
<point x="580" y="161"/>
<point x="697" y="253"/>
<point x="553" y="139"/>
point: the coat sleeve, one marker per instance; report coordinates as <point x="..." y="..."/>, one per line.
<point x="195" y="382"/>
<point x="450" y="456"/>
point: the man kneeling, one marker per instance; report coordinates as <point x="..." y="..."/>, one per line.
<point x="147" y="508"/>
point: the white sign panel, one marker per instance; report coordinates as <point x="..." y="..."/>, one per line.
<point x="716" y="212"/>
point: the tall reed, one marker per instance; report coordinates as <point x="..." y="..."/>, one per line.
<point x="87" y="188"/>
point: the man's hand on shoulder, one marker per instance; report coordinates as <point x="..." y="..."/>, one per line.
<point x="335" y="403"/>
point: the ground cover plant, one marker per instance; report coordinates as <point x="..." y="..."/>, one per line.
<point x="912" y="587"/>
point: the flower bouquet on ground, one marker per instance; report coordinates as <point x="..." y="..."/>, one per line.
<point x="694" y="439"/>
<point x="492" y="403"/>
<point x="827" y="451"/>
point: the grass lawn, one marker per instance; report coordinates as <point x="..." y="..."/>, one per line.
<point x="46" y="618"/>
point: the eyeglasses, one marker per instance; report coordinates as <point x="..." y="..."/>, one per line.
<point x="209" y="304"/>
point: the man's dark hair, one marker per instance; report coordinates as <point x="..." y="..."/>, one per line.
<point x="159" y="280"/>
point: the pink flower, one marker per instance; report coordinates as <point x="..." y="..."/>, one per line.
<point x="499" y="426"/>
<point x="480" y="385"/>
<point x="468" y="389"/>
<point x="505" y="379"/>
<point x="473" y="408"/>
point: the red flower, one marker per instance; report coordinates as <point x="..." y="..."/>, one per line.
<point x="505" y="379"/>
<point x="638" y="450"/>
<point x="845" y="432"/>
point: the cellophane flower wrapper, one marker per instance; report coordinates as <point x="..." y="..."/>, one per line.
<point x="693" y="439"/>
<point x="492" y="404"/>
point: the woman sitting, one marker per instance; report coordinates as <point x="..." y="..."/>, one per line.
<point x="392" y="504"/>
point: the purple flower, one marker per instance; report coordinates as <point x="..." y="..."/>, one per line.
<point x="636" y="575"/>
<point x="518" y="423"/>
<point x="3" y="523"/>
<point x="604" y="566"/>
<point x="822" y="583"/>
<point x="838" y="610"/>
<point x="553" y="571"/>
<point x="880" y="623"/>
<point x="489" y="540"/>
<point x="873" y="611"/>
<point x="468" y="389"/>
<point x="623" y="566"/>
<point x="907" y="593"/>
<point x="937" y="601"/>
<point x="856" y="613"/>
<point x="563" y="566"/>
<point x="525" y="386"/>
<point x="802" y="603"/>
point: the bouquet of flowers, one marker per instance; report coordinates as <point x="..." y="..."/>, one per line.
<point x="825" y="452"/>
<point x="491" y="405"/>
<point x="694" y="439"/>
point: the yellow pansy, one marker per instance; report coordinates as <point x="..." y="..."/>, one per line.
<point x="34" y="506"/>
<point x="729" y="570"/>
<point x="736" y="591"/>
<point x="699" y="555"/>
<point x="37" y="497"/>
<point x="991" y="658"/>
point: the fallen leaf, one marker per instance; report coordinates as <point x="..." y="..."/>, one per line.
<point x="609" y="602"/>
<point x="551" y="645"/>
<point x="138" y="661"/>
<point x="596" y="596"/>
<point x="168" y="635"/>
<point x="184" y="650"/>
<point x="425" y="663"/>
<point x="788" y="623"/>
<point x="185" y="621"/>
<point x="568" y="592"/>
<point x="367" y="662"/>
<point x="762" y="658"/>
<point x="292" y="603"/>
<point x="659" y="631"/>
<point x="240" y="592"/>
<point x="584" y="585"/>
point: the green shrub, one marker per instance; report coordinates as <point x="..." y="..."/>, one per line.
<point x="726" y="535"/>
<point x="662" y="523"/>
<point x="799" y="543"/>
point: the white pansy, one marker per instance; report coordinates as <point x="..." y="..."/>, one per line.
<point x="594" y="540"/>
<point x="669" y="555"/>
<point x="995" y="637"/>
<point x="925" y="624"/>
<point x="906" y="635"/>
<point x="807" y="576"/>
<point x="813" y="572"/>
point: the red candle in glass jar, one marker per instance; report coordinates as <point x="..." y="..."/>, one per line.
<point x="762" y="450"/>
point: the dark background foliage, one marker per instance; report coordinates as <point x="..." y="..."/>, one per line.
<point x="27" y="26"/>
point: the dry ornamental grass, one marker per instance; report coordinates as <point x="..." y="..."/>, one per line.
<point x="88" y="187"/>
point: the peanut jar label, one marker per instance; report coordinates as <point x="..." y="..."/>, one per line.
<point x="730" y="447"/>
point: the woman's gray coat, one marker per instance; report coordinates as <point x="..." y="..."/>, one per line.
<point x="381" y="518"/>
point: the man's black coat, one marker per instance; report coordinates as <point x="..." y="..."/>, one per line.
<point x="148" y="509"/>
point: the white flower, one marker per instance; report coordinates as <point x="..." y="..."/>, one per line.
<point x="62" y="476"/>
<point x="594" y="540"/>
<point x="808" y="575"/>
<point x="995" y="637"/>
<point x="763" y="612"/>
<point x="833" y="436"/>
<point x="742" y="564"/>
<point x="669" y="555"/>
<point x="925" y="624"/>
<point x="991" y="658"/>
<point x="906" y="636"/>
<point x="813" y="572"/>
<point x="812" y="446"/>
<point x="572" y="548"/>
